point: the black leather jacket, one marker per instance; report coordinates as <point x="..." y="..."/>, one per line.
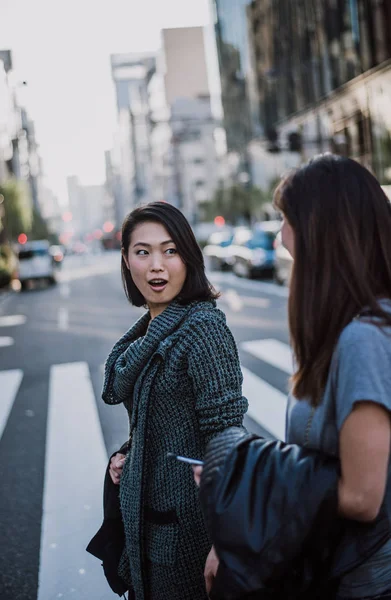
<point x="272" y="514"/>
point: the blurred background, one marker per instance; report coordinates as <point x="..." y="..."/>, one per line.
<point x="101" y="110"/>
<point x="103" y="106"/>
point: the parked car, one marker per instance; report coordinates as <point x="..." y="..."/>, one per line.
<point x="36" y="263"/>
<point x="217" y="250"/>
<point x="283" y="262"/>
<point x="254" y="256"/>
<point x="241" y="235"/>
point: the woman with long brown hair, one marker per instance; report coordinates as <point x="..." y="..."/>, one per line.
<point x="337" y="227"/>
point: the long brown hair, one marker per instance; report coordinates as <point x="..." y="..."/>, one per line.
<point x="341" y="219"/>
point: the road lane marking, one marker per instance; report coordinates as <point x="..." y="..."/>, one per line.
<point x="9" y="385"/>
<point x="267" y="405"/>
<point x="12" y="320"/>
<point x="274" y="352"/>
<point x="75" y="464"/>
<point x="233" y="296"/>
<point x="233" y="300"/>
<point x="63" y="319"/>
<point x="6" y="341"/>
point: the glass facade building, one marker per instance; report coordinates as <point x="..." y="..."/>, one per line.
<point x="323" y="73"/>
<point x="232" y="37"/>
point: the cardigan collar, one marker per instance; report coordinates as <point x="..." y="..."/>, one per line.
<point x="135" y="349"/>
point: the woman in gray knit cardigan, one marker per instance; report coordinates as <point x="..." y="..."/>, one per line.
<point x="177" y="372"/>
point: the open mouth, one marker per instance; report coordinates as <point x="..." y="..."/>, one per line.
<point x="158" y="285"/>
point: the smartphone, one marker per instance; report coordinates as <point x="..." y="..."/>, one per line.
<point x="189" y="461"/>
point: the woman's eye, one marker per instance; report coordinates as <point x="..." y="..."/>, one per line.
<point x="171" y="251"/>
<point x="141" y="253"/>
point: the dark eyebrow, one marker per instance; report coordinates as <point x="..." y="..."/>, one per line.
<point x="149" y="245"/>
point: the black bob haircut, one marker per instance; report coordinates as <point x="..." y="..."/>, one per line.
<point x="196" y="286"/>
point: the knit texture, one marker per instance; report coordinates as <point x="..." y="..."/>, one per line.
<point x="181" y="383"/>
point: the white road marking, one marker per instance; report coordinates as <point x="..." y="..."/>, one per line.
<point x="233" y="300"/>
<point x="274" y="352"/>
<point x="63" y="318"/>
<point x="231" y="296"/>
<point x="267" y="405"/>
<point x="12" y="320"/>
<point x="6" y="341"/>
<point x="75" y="464"/>
<point x="9" y="385"/>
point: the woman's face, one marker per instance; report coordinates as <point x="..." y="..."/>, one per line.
<point x="288" y="237"/>
<point x="155" y="266"/>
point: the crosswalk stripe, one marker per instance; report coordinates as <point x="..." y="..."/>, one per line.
<point x="272" y="351"/>
<point x="9" y="385"/>
<point x="74" y="470"/>
<point x="267" y="405"/>
<point x="12" y="320"/>
<point x="236" y="301"/>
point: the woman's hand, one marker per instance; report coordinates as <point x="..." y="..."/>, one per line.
<point x="212" y="561"/>
<point x="211" y="566"/>
<point x="197" y="475"/>
<point x="116" y="466"/>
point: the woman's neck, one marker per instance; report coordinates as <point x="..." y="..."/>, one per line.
<point x="156" y="309"/>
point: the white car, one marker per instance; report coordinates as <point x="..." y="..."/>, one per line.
<point x="36" y="263"/>
<point x="217" y="249"/>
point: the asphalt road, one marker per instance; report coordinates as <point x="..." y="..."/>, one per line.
<point x="56" y="433"/>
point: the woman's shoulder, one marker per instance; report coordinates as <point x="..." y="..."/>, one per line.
<point x="206" y="312"/>
<point x="363" y="332"/>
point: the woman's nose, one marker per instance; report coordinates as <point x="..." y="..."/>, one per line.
<point x="156" y="264"/>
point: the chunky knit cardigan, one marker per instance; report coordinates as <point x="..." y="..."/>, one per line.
<point x="180" y="379"/>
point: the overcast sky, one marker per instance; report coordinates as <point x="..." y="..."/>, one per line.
<point x="62" y="49"/>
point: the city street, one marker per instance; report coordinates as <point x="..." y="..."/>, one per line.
<point x="56" y="433"/>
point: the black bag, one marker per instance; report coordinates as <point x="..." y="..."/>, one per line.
<point x="108" y="543"/>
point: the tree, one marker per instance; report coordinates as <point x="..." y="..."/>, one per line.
<point x="16" y="216"/>
<point x="39" y="228"/>
<point x="237" y="204"/>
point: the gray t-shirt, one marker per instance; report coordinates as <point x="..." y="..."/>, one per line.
<point x="360" y="370"/>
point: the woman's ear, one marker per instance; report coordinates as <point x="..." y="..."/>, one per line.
<point x="125" y="258"/>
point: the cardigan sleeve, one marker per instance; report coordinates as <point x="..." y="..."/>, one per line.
<point x="214" y="369"/>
